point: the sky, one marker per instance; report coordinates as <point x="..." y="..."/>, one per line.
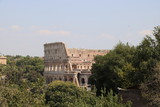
<point x="26" y="25"/>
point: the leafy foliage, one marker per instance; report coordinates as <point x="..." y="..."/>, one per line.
<point x="114" y="69"/>
<point x="150" y="71"/>
<point x="66" y="94"/>
<point x="19" y="87"/>
<point x="128" y="66"/>
<point x="22" y="85"/>
<point x="150" y="89"/>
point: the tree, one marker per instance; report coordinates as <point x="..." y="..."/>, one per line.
<point x="150" y="89"/>
<point x="146" y="57"/>
<point x="114" y="69"/>
<point x="66" y="94"/>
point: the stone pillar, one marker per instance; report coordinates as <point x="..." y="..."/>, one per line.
<point x="86" y="80"/>
<point x="63" y="67"/>
<point x="55" y="67"/>
<point x="75" y="79"/>
<point x="49" y="68"/>
<point x="70" y="67"/>
<point x="45" y="69"/>
<point x="60" y="67"/>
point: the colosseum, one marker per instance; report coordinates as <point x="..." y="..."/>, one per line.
<point x="62" y="63"/>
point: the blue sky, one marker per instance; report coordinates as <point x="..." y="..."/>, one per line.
<point x="25" y="25"/>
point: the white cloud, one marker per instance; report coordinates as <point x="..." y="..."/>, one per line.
<point x="145" y="32"/>
<point x="49" y="32"/>
<point x="15" y="27"/>
<point x="107" y="36"/>
<point x="34" y="27"/>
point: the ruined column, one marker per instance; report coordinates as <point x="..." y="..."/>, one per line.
<point x="75" y="79"/>
<point x="60" y="67"/>
<point x="55" y="67"/>
<point x="86" y="80"/>
<point x="63" y="67"/>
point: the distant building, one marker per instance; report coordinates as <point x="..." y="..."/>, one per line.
<point x="3" y="60"/>
<point x="66" y="64"/>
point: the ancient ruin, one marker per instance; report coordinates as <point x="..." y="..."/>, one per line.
<point x="3" y="60"/>
<point x="66" y="64"/>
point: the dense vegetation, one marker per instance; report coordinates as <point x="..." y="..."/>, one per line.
<point x="128" y="66"/>
<point x="22" y="83"/>
<point x="66" y="94"/>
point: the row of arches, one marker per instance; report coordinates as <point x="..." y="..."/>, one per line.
<point x="54" y="78"/>
<point x="82" y="81"/>
<point x="57" y="67"/>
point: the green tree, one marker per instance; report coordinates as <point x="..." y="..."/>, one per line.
<point x="146" y="57"/>
<point x="150" y="89"/>
<point x="66" y="94"/>
<point x="114" y="70"/>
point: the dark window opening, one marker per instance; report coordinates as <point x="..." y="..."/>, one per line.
<point x="71" y="79"/>
<point x="83" y="81"/>
<point x="55" y="51"/>
<point x="65" y="79"/>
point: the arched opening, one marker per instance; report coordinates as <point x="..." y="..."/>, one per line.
<point x="74" y="67"/>
<point x="71" y="79"/>
<point x="78" y="76"/>
<point x="65" y="78"/>
<point x="83" y="81"/>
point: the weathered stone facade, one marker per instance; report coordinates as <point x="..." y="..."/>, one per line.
<point x="3" y="60"/>
<point x="66" y="64"/>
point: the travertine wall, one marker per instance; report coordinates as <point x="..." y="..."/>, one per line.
<point x="56" y="57"/>
<point x="82" y="59"/>
<point x="3" y="60"/>
<point x="55" y="51"/>
<point x="85" y="54"/>
<point x="66" y="64"/>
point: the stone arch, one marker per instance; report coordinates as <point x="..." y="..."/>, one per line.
<point x="78" y="76"/>
<point x="71" y="79"/>
<point x="83" y="81"/>
<point x="74" y="66"/>
<point x="65" y="78"/>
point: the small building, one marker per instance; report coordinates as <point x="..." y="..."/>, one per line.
<point x="3" y="60"/>
<point x="62" y="63"/>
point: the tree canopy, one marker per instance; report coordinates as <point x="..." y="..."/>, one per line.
<point x="128" y="66"/>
